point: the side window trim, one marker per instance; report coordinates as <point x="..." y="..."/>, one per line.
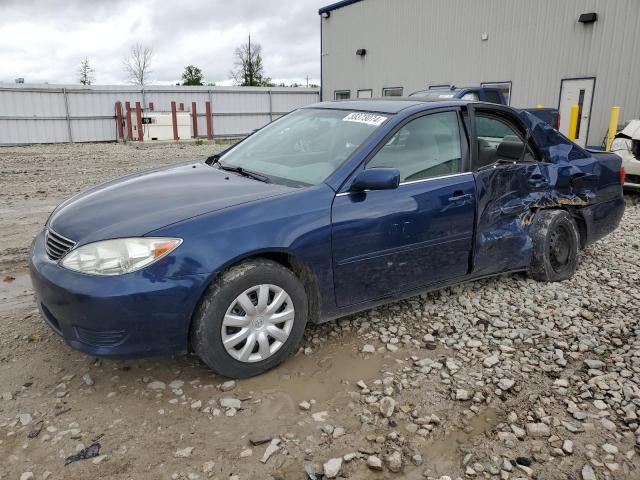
<point x="464" y="150"/>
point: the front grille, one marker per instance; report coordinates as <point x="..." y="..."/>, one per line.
<point x="57" y="245"/>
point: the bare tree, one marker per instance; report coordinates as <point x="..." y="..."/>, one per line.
<point x="249" y="71"/>
<point x="137" y="64"/>
<point x="85" y="73"/>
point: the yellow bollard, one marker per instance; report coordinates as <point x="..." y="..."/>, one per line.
<point x="613" y="126"/>
<point x="539" y="105"/>
<point x="573" y="122"/>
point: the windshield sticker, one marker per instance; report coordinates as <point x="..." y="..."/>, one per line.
<point x="448" y="95"/>
<point x="368" y="118"/>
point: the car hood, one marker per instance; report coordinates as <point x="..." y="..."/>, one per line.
<point x="140" y="203"/>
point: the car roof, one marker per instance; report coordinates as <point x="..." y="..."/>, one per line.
<point x="386" y="104"/>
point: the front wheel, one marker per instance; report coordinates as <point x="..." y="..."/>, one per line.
<point x="556" y="243"/>
<point x="251" y="319"/>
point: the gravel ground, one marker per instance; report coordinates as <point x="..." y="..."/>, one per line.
<point x="503" y="378"/>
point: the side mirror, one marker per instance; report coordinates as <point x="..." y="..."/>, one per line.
<point x="376" y="179"/>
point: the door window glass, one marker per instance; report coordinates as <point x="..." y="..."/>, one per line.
<point x="365" y="93"/>
<point x="342" y="95"/>
<point x="426" y="147"/>
<point x="497" y="140"/>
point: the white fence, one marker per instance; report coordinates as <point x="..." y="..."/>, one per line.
<point x="73" y="113"/>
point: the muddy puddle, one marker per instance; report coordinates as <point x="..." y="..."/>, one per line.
<point x="442" y="455"/>
<point x="320" y="376"/>
<point x="15" y="291"/>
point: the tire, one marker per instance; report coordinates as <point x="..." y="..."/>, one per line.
<point x="556" y="242"/>
<point x="224" y="315"/>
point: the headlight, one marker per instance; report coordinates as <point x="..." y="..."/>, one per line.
<point x="118" y="256"/>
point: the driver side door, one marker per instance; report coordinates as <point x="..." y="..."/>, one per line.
<point x="385" y="242"/>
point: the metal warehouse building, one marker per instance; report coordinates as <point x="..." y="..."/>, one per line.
<point x="551" y="52"/>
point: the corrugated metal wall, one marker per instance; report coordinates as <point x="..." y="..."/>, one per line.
<point x="533" y="44"/>
<point x="58" y="113"/>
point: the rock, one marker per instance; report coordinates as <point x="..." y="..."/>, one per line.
<point x="229" y="402"/>
<point x="176" y="384"/>
<point x="320" y="416"/>
<point x="183" y="452"/>
<point x="304" y="405"/>
<point x="491" y="361"/>
<point x="7" y="396"/>
<point x="387" y="406"/>
<point x="86" y="378"/>
<point x="462" y="394"/>
<point x="538" y="430"/>
<point x="196" y="405"/>
<point x="227" y="386"/>
<point x="394" y="461"/>
<point x="332" y="467"/>
<point x="368" y="349"/>
<point x="612" y="449"/>
<point x="374" y="463"/>
<point x="567" y="446"/>
<point x="246" y="453"/>
<point x="608" y="424"/>
<point x="157" y="385"/>
<point x="207" y="467"/>
<point x="338" y="432"/>
<point x="99" y="459"/>
<point x="594" y="364"/>
<point x="588" y="473"/>
<point x="392" y="348"/>
<point x="272" y="448"/>
<point x="600" y="405"/>
<point x="506" y="384"/>
<point x="26" y="476"/>
<point x="24" y="418"/>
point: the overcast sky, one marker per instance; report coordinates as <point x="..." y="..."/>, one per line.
<point x="45" y="40"/>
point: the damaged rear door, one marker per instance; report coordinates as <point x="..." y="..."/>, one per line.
<point x="510" y="178"/>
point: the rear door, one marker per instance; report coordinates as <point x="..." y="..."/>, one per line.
<point x="509" y="180"/>
<point x="389" y="241"/>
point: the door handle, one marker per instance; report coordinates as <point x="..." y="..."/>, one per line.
<point x="459" y="197"/>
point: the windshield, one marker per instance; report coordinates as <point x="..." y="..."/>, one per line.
<point x="304" y="147"/>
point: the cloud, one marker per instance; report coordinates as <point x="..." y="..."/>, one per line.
<point x="45" y="40"/>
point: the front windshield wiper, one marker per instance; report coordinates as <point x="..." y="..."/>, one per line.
<point x="244" y="172"/>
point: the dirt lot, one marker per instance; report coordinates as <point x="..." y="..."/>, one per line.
<point x="504" y="378"/>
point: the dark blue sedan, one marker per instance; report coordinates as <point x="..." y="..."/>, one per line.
<point x="327" y="211"/>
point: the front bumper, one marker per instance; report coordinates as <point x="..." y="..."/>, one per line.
<point x="133" y="315"/>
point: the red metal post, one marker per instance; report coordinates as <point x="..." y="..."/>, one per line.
<point x="139" y="121"/>
<point x="174" y="121"/>
<point x="194" y="115"/>
<point x="151" y="106"/>
<point x="127" y="107"/>
<point x="181" y="107"/>
<point x="120" y="126"/>
<point x="209" y="121"/>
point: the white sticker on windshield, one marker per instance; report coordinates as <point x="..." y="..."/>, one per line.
<point x="448" y="95"/>
<point x="368" y="118"/>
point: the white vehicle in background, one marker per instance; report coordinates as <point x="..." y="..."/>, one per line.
<point x="626" y="144"/>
